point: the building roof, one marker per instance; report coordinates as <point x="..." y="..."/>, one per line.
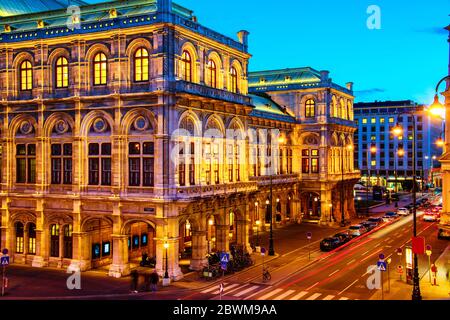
<point x="292" y="79"/>
<point x="19" y="7"/>
<point x="265" y="107"/>
<point x="377" y="104"/>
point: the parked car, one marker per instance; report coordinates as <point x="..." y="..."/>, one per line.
<point x="389" y="216"/>
<point x="343" y="236"/>
<point x="357" y="230"/>
<point x="378" y="221"/>
<point x="392" y="214"/>
<point x="369" y="225"/>
<point x="402" y="212"/>
<point x="330" y="243"/>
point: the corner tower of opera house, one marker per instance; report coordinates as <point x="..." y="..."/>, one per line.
<point x="127" y="127"/>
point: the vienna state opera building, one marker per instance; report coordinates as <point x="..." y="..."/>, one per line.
<point x="127" y="127"/>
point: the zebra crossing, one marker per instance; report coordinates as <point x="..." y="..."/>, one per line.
<point x="253" y="291"/>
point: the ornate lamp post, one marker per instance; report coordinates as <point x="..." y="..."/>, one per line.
<point x="397" y="131"/>
<point x="166" y="247"/>
<point x="348" y="147"/>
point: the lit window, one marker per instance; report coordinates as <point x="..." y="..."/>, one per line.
<point x="26" y="76"/>
<point x="373" y="162"/>
<point x="391" y="120"/>
<point x="19" y="237"/>
<point x="373" y="120"/>
<point x="100" y="69"/>
<point x="62" y="72"/>
<point x="364" y="120"/>
<point x="382" y="120"/>
<point x="234" y="80"/>
<point x="211" y="74"/>
<point x="141" y="65"/>
<point x="186" y="66"/>
<point x="373" y="138"/>
<point x="310" y="108"/>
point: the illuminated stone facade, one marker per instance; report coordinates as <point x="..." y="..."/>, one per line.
<point x="115" y="140"/>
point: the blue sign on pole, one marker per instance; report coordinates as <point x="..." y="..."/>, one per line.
<point x="224" y="259"/>
<point x="4" y="260"/>
<point x="382" y="265"/>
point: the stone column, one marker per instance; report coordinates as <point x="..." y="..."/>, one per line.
<point x="120" y="265"/>
<point x="6" y="232"/>
<point x="42" y="238"/>
<point x="243" y="229"/>
<point x="222" y="239"/>
<point x="199" y="250"/>
<point x="170" y="234"/>
<point x="80" y="242"/>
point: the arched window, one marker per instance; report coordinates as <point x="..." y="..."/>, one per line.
<point x="343" y="109"/>
<point x="68" y="241"/>
<point x="186" y="66"/>
<point x="100" y="153"/>
<point x="54" y="240"/>
<point x="187" y="154"/>
<point x="19" y="237"/>
<point x="100" y="69"/>
<point x="31" y="238"/>
<point x="211" y="74"/>
<point x="233" y="80"/>
<point x="310" y="108"/>
<point x="141" y="65"/>
<point x="62" y="73"/>
<point x="26" y="76"/>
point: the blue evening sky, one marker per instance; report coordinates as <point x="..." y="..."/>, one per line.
<point x="403" y="60"/>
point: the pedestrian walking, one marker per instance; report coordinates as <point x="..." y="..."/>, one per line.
<point x="154" y="279"/>
<point x="134" y="280"/>
<point x="434" y="270"/>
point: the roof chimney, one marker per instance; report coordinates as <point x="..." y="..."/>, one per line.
<point x="243" y="37"/>
<point x="349" y="86"/>
<point x="324" y="75"/>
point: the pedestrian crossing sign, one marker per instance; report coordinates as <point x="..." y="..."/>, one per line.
<point x="224" y="257"/>
<point x="381" y="265"/>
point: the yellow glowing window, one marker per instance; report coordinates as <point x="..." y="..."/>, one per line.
<point x="26" y="76"/>
<point x="391" y="120"/>
<point x="141" y="65"/>
<point x="400" y="137"/>
<point x="31" y="245"/>
<point x="381" y="120"/>
<point x="310" y="108"/>
<point x="100" y="69"/>
<point x="233" y="80"/>
<point x="410" y="137"/>
<point x="373" y="138"/>
<point x="373" y="120"/>
<point x="62" y="72"/>
<point x="211" y="74"/>
<point x="364" y="120"/>
<point x="373" y="162"/>
<point x="186" y="66"/>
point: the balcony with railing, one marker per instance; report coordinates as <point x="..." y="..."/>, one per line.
<point x="276" y="179"/>
<point x="215" y="189"/>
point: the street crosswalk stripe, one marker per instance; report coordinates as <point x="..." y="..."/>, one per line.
<point x="284" y="295"/>
<point x="246" y="291"/>
<point x="272" y="293"/>
<point x="343" y="298"/>
<point x="212" y="288"/>
<point x="299" y="295"/>
<point x="329" y="297"/>
<point x="314" y="296"/>
<point x="227" y="289"/>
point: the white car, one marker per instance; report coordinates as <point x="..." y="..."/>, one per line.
<point x="430" y="217"/>
<point x="357" y="230"/>
<point x="402" y="212"/>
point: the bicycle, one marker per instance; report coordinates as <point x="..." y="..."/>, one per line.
<point x="266" y="275"/>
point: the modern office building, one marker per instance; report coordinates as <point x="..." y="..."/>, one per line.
<point x="392" y="155"/>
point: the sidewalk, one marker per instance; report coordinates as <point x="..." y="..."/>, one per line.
<point x="400" y="290"/>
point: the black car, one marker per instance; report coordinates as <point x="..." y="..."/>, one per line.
<point x="329" y="244"/>
<point x="378" y="221"/>
<point x="392" y="214"/>
<point x="343" y="236"/>
<point x="369" y="225"/>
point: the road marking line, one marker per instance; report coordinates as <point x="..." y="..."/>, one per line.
<point x="255" y="293"/>
<point x="299" y="295"/>
<point x="227" y="289"/>
<point x="314" y="296"/>
<point x="343" y="298"/>
<point x="245" y="291"/>
<point x="377" y="245"/>
<point x="284" y="295"/>
<point x="272" y="293"/>
<point x="315" y="284"/>
<point x="348" y="287"/>
<point x="351" y="261"/>
<point x="211" y="289"/>
<point x="333" y="273"/>
<point x="329" y="297"/>
<point x="365" y="253"/>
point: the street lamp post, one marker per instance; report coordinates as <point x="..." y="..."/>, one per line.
<point x="343" y="222"/>
<point x="166" y="247"/>
<point x="397" y="130"/>
<point x="373" y="150"/>
<point x="258" y="222"/>
<point x="400" y="153"/>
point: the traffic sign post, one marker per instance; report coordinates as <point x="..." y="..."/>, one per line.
<point x="381" y="264"/>
<point x="309" y="237"/>
<point x="400" y="254"/>
<point x="4" y="262"/>
<point x="429" y="251"/>
<point x="263" y="253"/>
